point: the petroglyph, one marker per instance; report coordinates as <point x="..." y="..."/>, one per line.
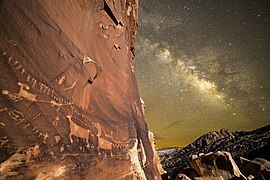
<point x="78" y="131"/>
<point x="12" y="42"/>
<point x="45" y="137"/>
<point x="12" y="96"/>
<point x="58" y="105"/>
<point x="36" y="116"/>
<point x="3" y="140"/>
<point x="17" y="116"/>
<point x="61" y="80"/>
<point x="104" y="144"/>
<point x="57" y="139"/>
<point x="23" y="93"/>
<point x="72" y="86"/>
<point x="55" y="121"/>
<point x="62" y="148"/>
<point x="5" y="109"/>
<point x="23" y="71"/>
<point x="28" y="125"/>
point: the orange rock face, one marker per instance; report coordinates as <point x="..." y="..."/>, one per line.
<point x="69" y="102"/>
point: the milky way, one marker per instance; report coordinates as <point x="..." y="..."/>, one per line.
<point x="202" y="66"/>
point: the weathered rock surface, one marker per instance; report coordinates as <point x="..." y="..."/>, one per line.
<point x="219" y="164"/>
<point x="69" y="102"/>
<point x="251" y="145"/>
<point x="258" y="168"/>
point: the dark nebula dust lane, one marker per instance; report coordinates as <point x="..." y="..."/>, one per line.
<point x="203" y="66"/>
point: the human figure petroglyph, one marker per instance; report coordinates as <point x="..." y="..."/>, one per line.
<point x="57" y="139"/>
<point x="23" y="71"/>
<point x="78" y="131"/>
<point x="55" y="121"/>
<point x="61" y="80"/>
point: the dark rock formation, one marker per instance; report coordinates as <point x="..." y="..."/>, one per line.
<point x="251" y="145"/>
<point x="258" y="168"/>
<point x="69" y="103"/>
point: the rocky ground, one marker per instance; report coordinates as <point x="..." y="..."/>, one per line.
<point x="241" y="145"/>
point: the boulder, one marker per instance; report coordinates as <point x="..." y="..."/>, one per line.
<point x="258" y="168"/>
<point x="219" y="164"/>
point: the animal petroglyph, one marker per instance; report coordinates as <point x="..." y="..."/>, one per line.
<point x="104" y="144"/>
<point x="22" y="94"/>
<point x="54" y="103"/>
<point x="12" y="96"/>
<point x="78" y="131"/>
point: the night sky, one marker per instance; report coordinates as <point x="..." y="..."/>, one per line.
<point x="203" y="66"/>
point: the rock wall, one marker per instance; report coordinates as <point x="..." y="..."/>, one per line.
<point x="69" y="102"/>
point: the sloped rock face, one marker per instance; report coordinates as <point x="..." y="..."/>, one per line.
<point x="248" y="144"/>
<point x="219" y="164"/>
<point x="258" y="168"/>
<point x="69" y="103"/>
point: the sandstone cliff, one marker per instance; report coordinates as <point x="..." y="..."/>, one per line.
<point x="69" y="102"/>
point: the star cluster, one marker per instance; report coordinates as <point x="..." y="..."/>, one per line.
<point x="203" y="65"/>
